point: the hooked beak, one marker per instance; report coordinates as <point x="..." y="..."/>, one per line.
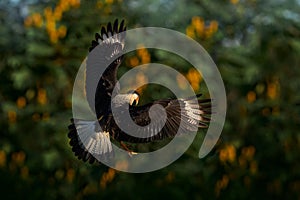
<point x="134" y="99"/>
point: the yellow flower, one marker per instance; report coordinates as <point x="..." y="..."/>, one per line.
<point x="109" y="1"/>
<point x="64" y="5"/>
<point x="227" y="154"/>
<point x="12" y="116"/>
<point x="51" y="17"/>
<point x="18" y="157"/>
<point x="21" y="102"/>
<point x="190" y="32"/>
<point x="2" y="158"/>
<point x="251" y="97"/>
<point x="50" y="26"/>
<point x="199" y="25"/>
<point x="133" y="61"/>
<point x="214" y="25"/>
<point x="198" y="28"/>
<point x="99" y="4"/>
<point x="28" y="21"/>
<point x="248" y="152"/>
<point x="194" y="77"/>
<point x="107" y="10"/>
<point x="70" y="175"/>
<point x="143" y="53"/>
<point x="37" y="19"/>
<point x="57" y="13"/>
<point x="107" y="177"/>
<point x="273" y="89"/>
<point x="48" y="12"/>
<point x="234" y="1"/>
<point x="74" y="3"/>
<point x="211" y="29"/>
<point x="62" y="30"/>
<point x="42" y="96"/>
<point x="53" y="37"/>
<point x="221" y="184"/>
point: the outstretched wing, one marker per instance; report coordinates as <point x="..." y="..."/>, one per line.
<point x="102" y="64"/>
<point x="88" y="142"/>
<point x="182" y="116"/>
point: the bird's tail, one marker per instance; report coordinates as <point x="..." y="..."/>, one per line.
<point x="88" y="142"/>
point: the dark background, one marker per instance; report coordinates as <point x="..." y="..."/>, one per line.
<point x="256" y="46"/>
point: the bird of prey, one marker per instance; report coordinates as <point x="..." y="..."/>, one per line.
<point x="182" y="115"/>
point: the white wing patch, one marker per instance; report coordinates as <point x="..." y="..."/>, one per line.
<point x="95" y="142"/>
<point x="113" y="40"/>
<point x="193" y="111"/>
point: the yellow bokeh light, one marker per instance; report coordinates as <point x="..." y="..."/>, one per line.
<point x="18" y="157"/>
<point x="2" y="158"/>
<point x="12" y="116"/>
<point x="199" y="25"/>
<point x="190" y="32"/>
<point x="248" y="152"/>
<point x="42" y="96"/>
<point x="272" y="90"/>
<point x="62" y="31"/>
<point x="251" y="97"/>
<point x="197" y="28"/>
<point x="21" y="102"/>
<point x="228" y="154"/>
<point x="107" y="177"/>
<point x="214" y="25"/>
<point x="109" y="1"/>
<point x="133" y="61"/>
<point x="221" y="184"/>
<point x="70" y="175"/>
<point x="234" y="1"/>
<point x="194" y="77"/>
<point x="28" y="22"/>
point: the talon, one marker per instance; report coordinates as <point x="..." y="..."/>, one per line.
<point x="130" y="152"/>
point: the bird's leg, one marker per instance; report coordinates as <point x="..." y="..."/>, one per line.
<point x="130" y="152"/>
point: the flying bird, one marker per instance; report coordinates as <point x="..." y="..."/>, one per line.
<point x="91" y="140"/>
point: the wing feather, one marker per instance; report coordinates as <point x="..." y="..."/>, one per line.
<point x="104" y="61"/>
<point x="194" y="115"/>
<point x="87" y="142"/>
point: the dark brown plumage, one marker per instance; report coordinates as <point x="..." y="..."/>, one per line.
<point x="91" y="140"/>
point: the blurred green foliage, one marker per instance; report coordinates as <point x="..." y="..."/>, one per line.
<point x="255" y="44"/>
